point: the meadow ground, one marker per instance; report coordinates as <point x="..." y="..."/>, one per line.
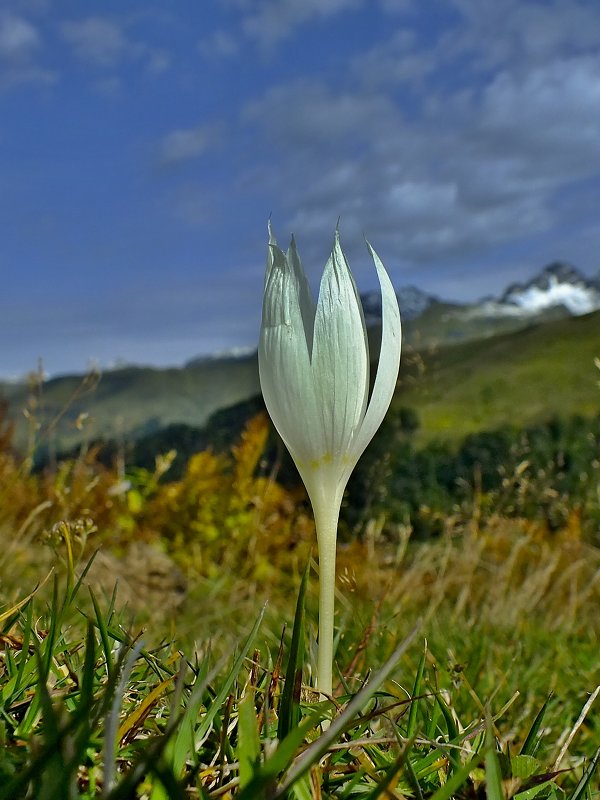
<point x="467" y="664"/>
<point x="493" y="690"/>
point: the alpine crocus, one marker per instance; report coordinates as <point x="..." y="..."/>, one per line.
<point x="314" y="374"/>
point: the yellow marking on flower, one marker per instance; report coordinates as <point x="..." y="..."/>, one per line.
<point x="316" y="463"/>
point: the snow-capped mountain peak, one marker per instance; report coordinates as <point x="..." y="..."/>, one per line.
<point x="558" y="284"/>
<point x="576" y="299"/>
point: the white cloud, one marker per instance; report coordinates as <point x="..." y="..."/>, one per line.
<point x="270" y="21"/>
<point x="105" y="44"/>
<point x="18" y="38"/>
<point x="515" y="31"/>
<point x="418" y="200"/>
<point x="554" y="108"/>
<point x="220" y="44"/>
<point x="307" y="114"/>
<point x="96" y="40"/>
<point x="20" y="43"/>
<point x="186" y="144"/>
<point x="399" y="60"/>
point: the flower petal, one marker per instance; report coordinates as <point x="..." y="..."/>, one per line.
<point x="389" y="361"/>
<point x="283" y="357"/>
<point x="272" y="243"/>
<point x="340" y="362"/>
<point x="307" y="304"/>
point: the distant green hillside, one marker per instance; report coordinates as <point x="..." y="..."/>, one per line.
<point x="515" y="378"/>
<point x="134" y="401"/>
<point x="443" y="324"/>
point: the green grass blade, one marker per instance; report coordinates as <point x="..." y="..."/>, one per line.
<point x="111" y="723"/>
<point x="315" y="751"/>
<point x="169" y="781"/>
<point x="531" y="742"/>
<point x="104" y="635"/>
<point x="412" y="776"/>
<point x="416" y="692"/>
<point x="264" y="778"/>
<point x="53" y="774"/>
<point x="451" y="726"/>
<point x="248" y="748"/>
<point x="186" y="737"/>
<point x="150" y="758"/>
<point x="493" y="773"/>
<point x="457" y="779"/>
<point x="181" y="742"/>
<point x="581" y="788"/>
<point x="27" y="628"/>
<point x="381" y="789"/>
<point x="289" y="706"/>
<point x="49" y="643"/>
<point x="54" y="768"/>
<point x="25" y="674"/>
<point x="87" y="679"/>
<point x="452" y="729"/>
<point x="77" y="587"/>
<point x="226" y="687"/>
<point x="434" y="717"/>
<point x="302" y="790"/>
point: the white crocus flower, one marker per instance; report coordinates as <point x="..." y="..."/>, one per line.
<point x="314" y="374"/>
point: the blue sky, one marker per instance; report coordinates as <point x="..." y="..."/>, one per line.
<point x="143" y="146"/>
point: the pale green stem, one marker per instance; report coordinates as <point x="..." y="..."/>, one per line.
<point x="326" y="521"/>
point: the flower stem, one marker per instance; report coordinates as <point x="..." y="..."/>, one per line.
<point x="326" y="521"/>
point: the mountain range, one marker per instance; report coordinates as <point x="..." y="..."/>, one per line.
<point x="133" y="402"/>
<point x="558" y="290"/>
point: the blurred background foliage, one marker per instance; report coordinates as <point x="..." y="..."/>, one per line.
<point x="238" y="506"/>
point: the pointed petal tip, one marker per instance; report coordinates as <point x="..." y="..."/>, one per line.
<point x="293" y="251"/>
<point x="371" y="248"/>
<point x="337" y="229"/>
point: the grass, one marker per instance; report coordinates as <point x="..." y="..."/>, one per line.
<point x="466" y="666"/>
